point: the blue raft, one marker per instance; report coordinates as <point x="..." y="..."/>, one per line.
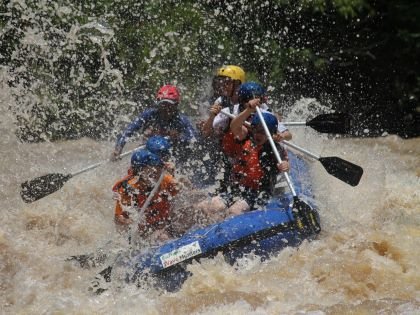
<point x="262" y="232"/>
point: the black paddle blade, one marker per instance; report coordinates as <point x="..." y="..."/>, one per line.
<point x="101" y="282"/>
<point x="42" y="186"/>
<point x="87" y="261"/>
<point x="307" y="220"/>
<point x="331" y="123"/>
<point x="344" y="170"/>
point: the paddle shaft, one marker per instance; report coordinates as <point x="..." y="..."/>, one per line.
<point x="343" y="170"/>
<point x="45" y="185"/>
<point x="230" y="115"/>
<point x="153" y="192"/>
<point x="294" y="146"/>
<point x="295" y="123"/>
<point x="306" y="221"/>
<point x="276" y="152"/>
<point x="147" y="203"/>
<point x="270" y="138"/>
<point x="91" y="167"/>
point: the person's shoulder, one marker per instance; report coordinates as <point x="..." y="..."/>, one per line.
<point x="150" y="111"/>
<point x="169" y="183"/>
<point x="120" y="181"/>
<point x="184" y="118"/>
<point x="168" y="179"/>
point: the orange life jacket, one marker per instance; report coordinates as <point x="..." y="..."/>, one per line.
<point x="247" y="170"/>
<point x="134" y="193"/>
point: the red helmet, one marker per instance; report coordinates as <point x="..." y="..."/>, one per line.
<point x="168" y="93"/>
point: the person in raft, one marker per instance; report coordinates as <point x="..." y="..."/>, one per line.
<point x="164" y="119"/>
<point x="132" y="191"/>
<point x="226" y="82"/>
<point x="254" y="167"/>
<point x="228" y="145"/>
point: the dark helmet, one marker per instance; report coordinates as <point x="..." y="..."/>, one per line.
<point x="270" y="120"/>
<point x="144" y="157"/>
<point x="158" y="145"/>
<point x="249" y="91"/>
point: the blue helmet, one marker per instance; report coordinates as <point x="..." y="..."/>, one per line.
<point x="270" y="120"/>
<point x="249" y="91"/>
<point x="144" y="157"/>
<point x="158" y="145"/>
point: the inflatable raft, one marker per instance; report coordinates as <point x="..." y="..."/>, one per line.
<point x="262" y="232"/>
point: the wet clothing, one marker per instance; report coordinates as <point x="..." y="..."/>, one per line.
<point x="230" y="146"/>
<point x="150" y="119"/>
<point x="134" y="192"/>
<point x="254" y="173"/>
<point x="224" y="101"/>
<point x="149" y="122"/>
<point x="208" y="150"/>
<point x="221" y="122"/>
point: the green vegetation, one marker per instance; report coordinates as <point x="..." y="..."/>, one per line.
<point x="85" y="68"/>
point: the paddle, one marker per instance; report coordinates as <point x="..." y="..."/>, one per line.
<point x="147" y="203"/>
<point x="93" y="259"/>
<point x="105" y="274"/>
<point x="304" y="216"/>
<point x="45" y="185"/>
<point x="343" y="170"/>
<point x="327" y="123"/>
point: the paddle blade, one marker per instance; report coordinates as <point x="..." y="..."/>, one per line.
<point x="307" y="220"/>
<point x="42" y="186"/>
<point x="331" y="123"/>
<point x="344" y="170"/>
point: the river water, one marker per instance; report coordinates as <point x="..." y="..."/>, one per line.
<point x="365" y="261"/>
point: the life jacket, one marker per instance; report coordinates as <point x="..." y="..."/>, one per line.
<point x="247" y="170"/>
<point x="256" y="166"/>
<point x="134" y="193"/>
<point x="231" y="146"/>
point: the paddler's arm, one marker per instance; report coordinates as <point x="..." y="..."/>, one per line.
<point x="282" y="132"/>
<point x="237" y="125"/>
<point x="207" y="128"/>
<point x="188" y="133"/>
<point x="137" y="124"/>
<point x="283" y="166"/>
<point x="121" y="217"/>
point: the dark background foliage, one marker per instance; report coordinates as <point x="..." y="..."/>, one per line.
<point x="85" y="68"/>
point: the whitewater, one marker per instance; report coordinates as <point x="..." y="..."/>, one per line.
<point x="364" y="261"/>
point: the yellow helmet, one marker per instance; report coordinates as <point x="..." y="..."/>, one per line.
<point x="233" y="72"/>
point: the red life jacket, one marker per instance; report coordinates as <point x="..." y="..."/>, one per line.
<point x="247" y="170"/>
<point x="231" y="147"/>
